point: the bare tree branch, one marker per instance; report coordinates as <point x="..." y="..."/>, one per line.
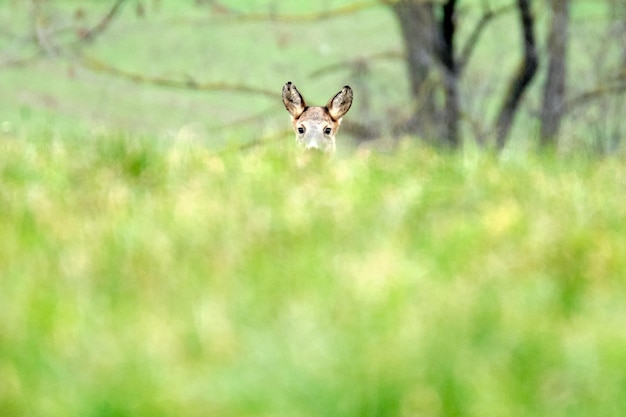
<point x="353" y="62"/>
<point x="594" y="94"/>
<point x="554" y="89"/>
<point x="228" y="12"/>
<point x="473" y="37"/>
<point x="187" y="84"/>
<point x="20" y="62"/>
<point x="103" y="24"/>
<point x="522" y="78"/>
<point x="44" y="35"/>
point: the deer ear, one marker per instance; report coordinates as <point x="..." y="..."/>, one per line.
<point x="293" y="100"/>
<point x="340" y="104"/>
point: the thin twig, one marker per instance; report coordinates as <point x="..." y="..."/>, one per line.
<point x="472" y="40"/>
<point x="229" y="12"/>
<point x="350" y="63"/>
<point x="20" y="62"/>
<point x="96" y="65"/>
<point x="593" y="94"/>
<point x="103" y="24"/>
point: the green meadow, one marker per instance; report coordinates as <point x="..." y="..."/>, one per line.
<point x="151" y="266"/>
<point x="145" y="278"/>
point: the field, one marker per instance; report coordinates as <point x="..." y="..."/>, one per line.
<point x="150" y="266"/>
<point x="144" y="278"/>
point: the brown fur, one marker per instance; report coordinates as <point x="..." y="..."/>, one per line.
<point x="312" y="124"/>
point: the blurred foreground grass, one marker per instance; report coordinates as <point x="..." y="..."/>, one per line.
<point x="140" y="277"/>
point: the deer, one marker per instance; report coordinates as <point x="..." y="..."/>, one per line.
<point x="316" y="126"/>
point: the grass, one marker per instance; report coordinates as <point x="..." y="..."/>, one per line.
<point x="145" y="277"/>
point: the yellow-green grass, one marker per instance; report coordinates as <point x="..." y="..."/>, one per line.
<point x="144" y="277"/>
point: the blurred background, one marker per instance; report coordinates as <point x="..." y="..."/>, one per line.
<point x="493" y="72"/>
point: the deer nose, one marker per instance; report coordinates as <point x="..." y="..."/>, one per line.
<point x="313" y="145"/>
<point x="314" y="150"/>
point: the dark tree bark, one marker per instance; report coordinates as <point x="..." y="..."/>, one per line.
<point x="419" y="31"/>
<point x="553" y="106"/>
<point x="430" y="40"/>
<point x="522" y="79"/>
<point x="450" y="75"/>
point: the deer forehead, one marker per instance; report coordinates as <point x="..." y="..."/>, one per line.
<point x="316" y="115"/>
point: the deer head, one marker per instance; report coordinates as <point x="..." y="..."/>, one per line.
<point x="316" y="126"/>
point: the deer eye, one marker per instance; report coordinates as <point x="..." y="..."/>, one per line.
<point x="327" y="131"/>
<point x="301" y="130"/>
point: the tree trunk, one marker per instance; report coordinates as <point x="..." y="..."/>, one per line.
<point x="554" y="89"/>
<point x="450" y="75"/>
<point x="522" y="79"/>
<point x="419" y="30"/>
